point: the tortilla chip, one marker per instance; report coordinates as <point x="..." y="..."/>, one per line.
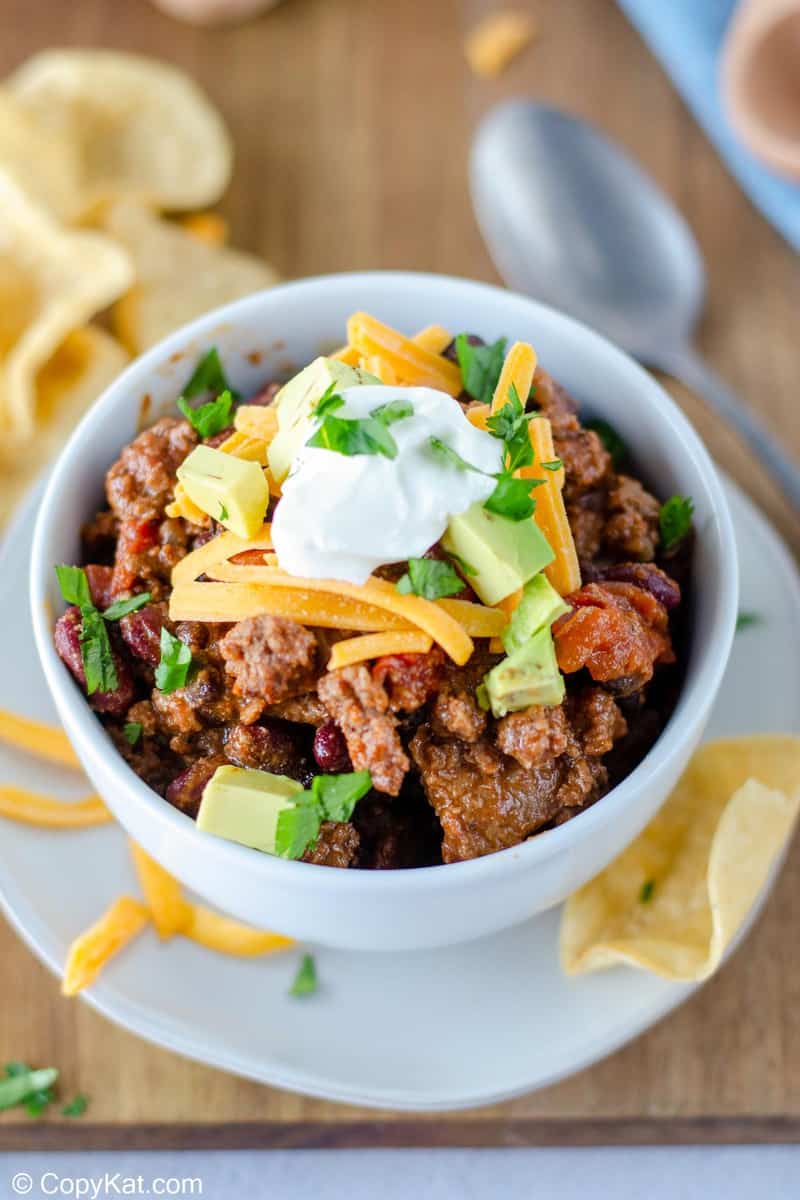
<point x="674" y="900"/>
<point x="46" y="169"/>
<point x="79" y="371"/>
<point x="51" y="282"/>
<point x="178" y="276"/>
<point x="139" y="127"/>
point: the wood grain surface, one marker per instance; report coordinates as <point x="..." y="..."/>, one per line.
<point x="352" y="120"/>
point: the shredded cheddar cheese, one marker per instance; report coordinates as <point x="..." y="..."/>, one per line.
<point x="171" y="913"/>
<point x="380" y="368"/>
<point x="31" y="808"/>
<point x="376" y="645"/>
<point x="227" y="936"/>
<point x="220" y="548"/>
<point x="183" y="507"/>
<point x="89" y="953"/>
<point x="413" y="364"/>
<point x="433" y="338"/>
<point x="34" y="737"/>
<point x="496" y="40"/>
<point x="563" y="572"/>
<point x="258" y="421"/>
<point x="518" y="371"/>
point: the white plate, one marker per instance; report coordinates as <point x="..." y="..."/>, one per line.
<point x="416" y="1013"/>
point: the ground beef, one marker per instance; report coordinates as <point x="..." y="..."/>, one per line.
<point x="270" y="658"/>
<point x="587" y="520"/>
<point x="186" y="789"/>
<point x="305" y="709"/>
<point x="596" y="720"/>
<point x="533" y="735"/>
<point x="142" y="480"/>
<point x="271" y="746"/>
<point x="632" y="525"/>
<point x="409" y="679"/>
<point x="360" y="707"/>
<point x="99" y="538"/>
<point x="618" y="631"/>
<point x="455" y="711"/>
<point x="203" y="701"/>
<point x="587" y="464"/>
<point x="337" y="846"/>
<point x="485" y="801"/>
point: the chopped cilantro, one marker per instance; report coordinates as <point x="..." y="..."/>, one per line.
<point x="328" y="402"/>
<point x="746" y="620"/>
<point x="305" y="981"/>
<point x="297" y="827"/>
<point x="675" y="520"/>
<point x="337" y="795"/>
<point x="512" y="498"/>
<point x="76" y="1107"/>
<point x="132" y="731"/>
<point x="430" y="578"/>
<point x="74" y="586"/>
<point x="176" y="660"/>
<point x="610" y="439"/>
<point x="16" y="1068"/>
<point x="480" y="367"/>
<point x="121" y="608"/>
<point x="646" y="893"/>
<point x="38" y="1101"/>
<point x="358" y="435"/>
<point x="22" y="1085"/>
<point x="466" y="568"/>
<point x="211" y="418"/>
<point x="209" y="377"/>
<point x="450" y="456"/>
<point x="510" y="425"/>
<point x="223" y="512"/>
<point x="555" y="465"/>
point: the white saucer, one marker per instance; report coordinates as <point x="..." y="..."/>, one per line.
<point x="423" y="1037"/>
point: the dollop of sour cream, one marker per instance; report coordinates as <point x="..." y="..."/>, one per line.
<point x="340" y="517"/>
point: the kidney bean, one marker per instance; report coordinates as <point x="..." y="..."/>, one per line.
<point x="330" y="749"/>
<point x="267" y="747"/>
<point x="451" y="352"/>
<point x="141" y="631"/>
<point x="265" y="396"/>
<point x="647" y="576"/>
<point x="99" y="580"/>
<point x="68" y="647"/>
<point x="186" y="790"/>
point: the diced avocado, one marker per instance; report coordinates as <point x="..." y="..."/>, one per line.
<point x="539" y="607"/>
<point x="231" y="490"/>
<point x="528" y="676"/>
<point x="505" y="554"/>
<point x="243" y="805"/>
<point x="295" y="403"/>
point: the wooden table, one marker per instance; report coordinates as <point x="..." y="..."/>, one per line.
<point x="352" y="120"/>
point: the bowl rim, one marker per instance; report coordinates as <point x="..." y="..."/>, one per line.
<point x="680" y="732"/>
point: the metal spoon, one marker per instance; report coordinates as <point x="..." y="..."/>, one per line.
<point x="570" y="219"/>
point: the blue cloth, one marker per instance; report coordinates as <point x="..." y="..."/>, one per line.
<point x="686" y="36"/>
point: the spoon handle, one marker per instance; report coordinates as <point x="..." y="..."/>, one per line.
<point x="690" y="369"/>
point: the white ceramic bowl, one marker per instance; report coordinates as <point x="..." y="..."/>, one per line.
<point x="389" y="910"/>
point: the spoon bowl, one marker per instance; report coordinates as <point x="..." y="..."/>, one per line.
<point x="570" y="219"/>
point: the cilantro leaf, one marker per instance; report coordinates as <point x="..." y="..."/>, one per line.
<point x="512" y="498"/>
<point x="480" y="366"/>
<point x="328" y="402"/>
<point x="297" y="828"/>
<point x="209" y="377"/>
<point x="395" y="410"/>
<point x="745" y="620"/>
<point x="121" y="608"/>
<point x="132" y="731"/>
<point x="16" y="1068"/>
<point x="675" y="520"/>
<point x="450" y="456"/>
<point x="352" y="436"/>
<point x="510" y="425"/>
<point x="223" y="512"/>
<point x="76" y="1107"/>
<point x="74" y="586"/>
<point x="555" y="465"/>
<point x="211" y="418"/>
<point x="305" y="981"/>
<point x="98" y="660"/>
<point x="430" y="578"/>
<point x="337" y="795"/>
<point x="176" y="660"/>
<point x="646" y="893"/>
<point x="38" y="1101"/>
<point x="608" y="435"/>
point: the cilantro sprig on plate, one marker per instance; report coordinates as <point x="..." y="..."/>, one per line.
<point x="357" y="435"/>
<point x="208" y="379"/>
<point x="96" y="653"/>
<point x="305" y="981"/>
<point x="330" y="798"/>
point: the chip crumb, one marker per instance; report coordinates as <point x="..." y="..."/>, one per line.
<point x="496" y="40"/>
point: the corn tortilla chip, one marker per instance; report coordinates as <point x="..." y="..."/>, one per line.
<point x="675" y="899"/>
<point x="139" y="127"/>
<point x="80" y="370"/>
<point x="178" y="276"/>
<point x="51" y="282"/>
<point x="46" y="169"/>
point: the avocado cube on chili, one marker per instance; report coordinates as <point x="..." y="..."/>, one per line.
<point x="539" y="606"/>
<point x="505" y="554"/>
<point x="231" y="490"/>
<point x="243" y="805"/>
<point x="528" y="676"/>
<point x="295" y="404"/>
